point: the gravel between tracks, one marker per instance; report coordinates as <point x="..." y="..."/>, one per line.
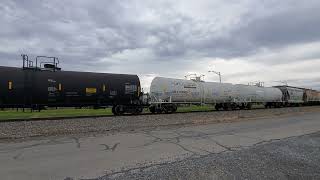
<point x="292" y="158"/>
<point x="23" y="129"/>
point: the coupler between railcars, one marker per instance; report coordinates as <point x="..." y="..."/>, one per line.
<point x="232" y="106"/>
<point x="274" y="105"/>
<point x="131" y="109"/>
<point x="166" y="108"/>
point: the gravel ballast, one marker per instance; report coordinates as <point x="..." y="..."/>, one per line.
<point x="23" y="129"/>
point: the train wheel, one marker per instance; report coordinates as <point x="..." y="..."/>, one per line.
<point x="267" y="106"/>
<point x="249" y="106"/>
<point x="138" y="110"/>
<point x="159" y="110"/>
<point x="167" y="109"/>
<point x="217" y="107"/>
<point x="227" y="107"/>
<point x="234" y="106"/>
<point x="113" y="110"/>
<point x="174" y="108"/>
<point x="152" y="109"/>
<point x="118" y="110"/>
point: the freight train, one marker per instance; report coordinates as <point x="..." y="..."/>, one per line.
<point x="225" y="96"/>
<point x="41" y="83"/>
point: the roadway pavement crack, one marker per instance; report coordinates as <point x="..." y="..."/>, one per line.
<point x="17" y="156"/>
<point x="142" y="168"/>
<point x="195" y="134"/>
<point x="174" y="140"/>
<point x="233" y="134"/>
<point x="107" y="148"/>
<point x="271" y="140"/>
<point x="22" y="147"/>
<point x="221" y="145"/>
<point x="147" y="165"/>
<point x="187" y="134"/>
<point x="77" y="141"/>
<point x="185" y="149"/>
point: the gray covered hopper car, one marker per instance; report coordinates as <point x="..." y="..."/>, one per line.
<point x="292" y="95"/>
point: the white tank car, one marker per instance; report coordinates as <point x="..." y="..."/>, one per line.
<point x="180" y="90"/>
<point x="222" y="94"/>
<point x="246" y="93"/>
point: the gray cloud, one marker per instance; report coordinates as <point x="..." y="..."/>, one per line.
<point x="111" y="26"/>
<point x="111" y="35"/>
<point x="300" y="25"/>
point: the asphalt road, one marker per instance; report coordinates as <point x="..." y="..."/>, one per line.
<point x="289" y="158"/>
<point x="170" y="152"/>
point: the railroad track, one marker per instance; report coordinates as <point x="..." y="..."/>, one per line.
<point x="17" y="129"/>
<point x="142" y="114"/>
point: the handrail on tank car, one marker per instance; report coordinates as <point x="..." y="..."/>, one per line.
<point x="41" y="63"/>
<point x="55" y="61"/>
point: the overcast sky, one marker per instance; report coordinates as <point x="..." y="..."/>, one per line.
<point x="247" y="40"/>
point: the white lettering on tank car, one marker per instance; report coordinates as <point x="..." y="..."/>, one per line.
<point x="52" y="89"/>
<point x="52" y="80"/>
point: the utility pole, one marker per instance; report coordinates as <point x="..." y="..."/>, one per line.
<point x="218" y="73"/>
